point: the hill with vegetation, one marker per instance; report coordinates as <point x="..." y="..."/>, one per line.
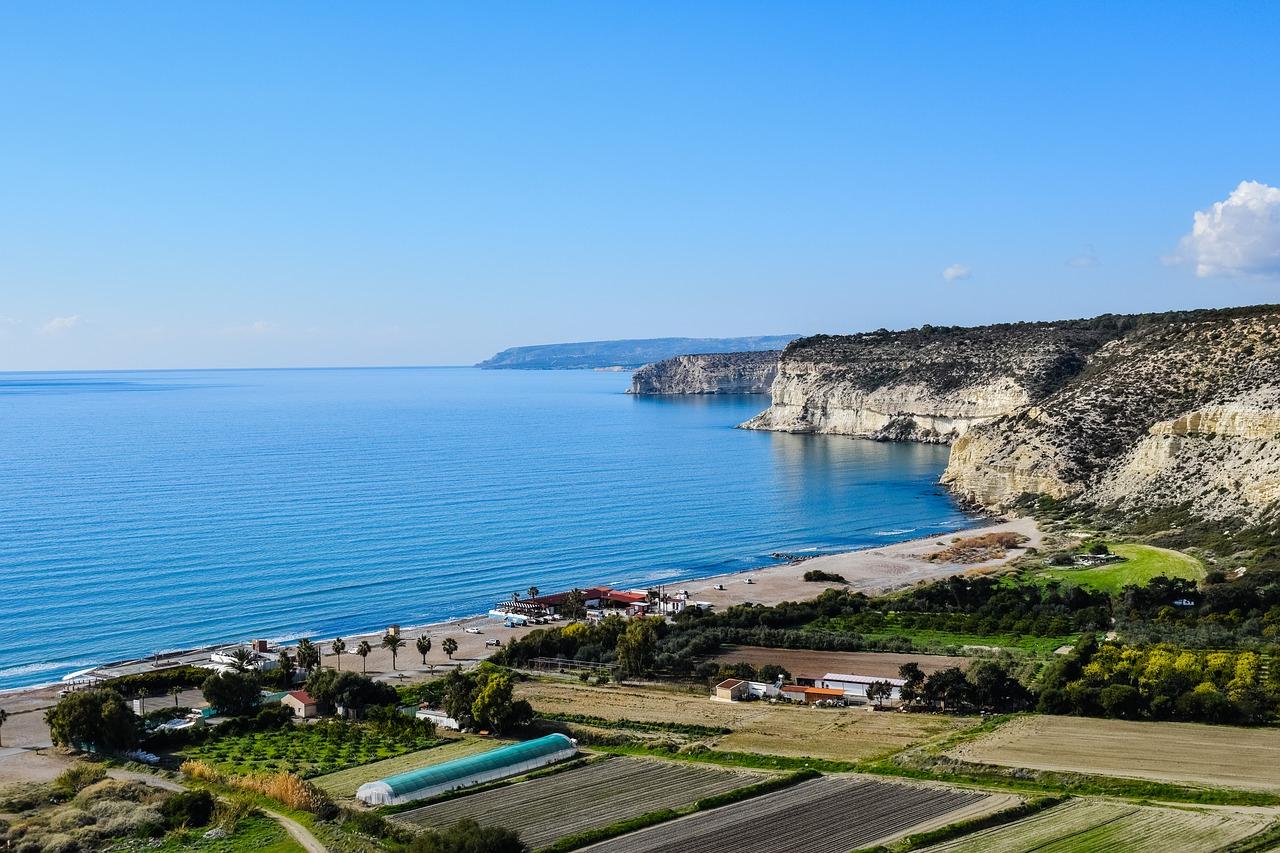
<point x="624" y="353"/>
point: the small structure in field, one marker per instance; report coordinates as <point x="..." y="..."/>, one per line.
<point x="301" y="703"/>
<point x="854" y="687"/>
<point x="731" y="690"/>
<point x="811" y="695"/>
<point x="440" y="718"/>
<point x="499" y="763"/>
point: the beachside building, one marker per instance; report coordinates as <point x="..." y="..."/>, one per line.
<point x="301" y="702"/>
<point x="854" y="687"/>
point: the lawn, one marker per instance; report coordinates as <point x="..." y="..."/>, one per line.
<point x="255" y="834"/>
<point x="1141" y="564"/>
<point x="310" y="750"/>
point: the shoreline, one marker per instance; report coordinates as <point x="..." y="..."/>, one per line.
<point x="875" y="569"/>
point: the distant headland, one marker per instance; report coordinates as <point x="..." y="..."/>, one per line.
<point x="625" y="353"/>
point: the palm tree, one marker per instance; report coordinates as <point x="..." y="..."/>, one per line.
<point x="242" y="659"/>
<point x="141" y="696"/>
<point x="286" y="668"/>
<point x="423" y="645"/>
<point x="533" y="592"/>
<point x="393" y="642"/>
<point x="363" y="650"/>
<point x="338" y="646"/>
<point x="4" y="716"/>
<point x="308" y="655"/>
<point x="175" y="691"/>
<point x="450" y="645"/>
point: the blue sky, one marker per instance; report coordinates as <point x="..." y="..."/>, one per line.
<point x="242" y="184"/>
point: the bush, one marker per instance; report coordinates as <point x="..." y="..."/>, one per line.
<point x="157" y="681"/>
<point x="77" y="777"/>
<point x="467" y="836"/>
<point x="94" y="720"/>
<point x="188" y="809"/>
<point x="819" y="576"/>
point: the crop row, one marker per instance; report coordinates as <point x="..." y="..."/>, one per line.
<point x="597" y="795"/>
<point x="1099" y="825"/>
<point x="827" y="815"/>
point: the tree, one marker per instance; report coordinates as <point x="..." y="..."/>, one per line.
<point x="349" y="691"/>
<point x="423" y="645"/>
<point x="533" y="592"/>
<point x="450" y="645"/>
<point x="242" y="660"/>
<point x="393" y="642"/>
<point x="4" y="718"/>
<point x="286" y="668"/>
<point x="948" y="688"/>
<point x="232" y="693"/>
<point x="1122" y="701"/>
<point x="638" y="646"/>
<point x="913" y="675"/>
<point x="308" y="655"/>
<point x="338" y="646"/>
<point x="97" y="720"/>
<point x="878" y="691"/>
<point x="175" y="691"/>
<point x="363" y="650"/>
<point x="574" y="605"/>
<point x="467" y="836"/>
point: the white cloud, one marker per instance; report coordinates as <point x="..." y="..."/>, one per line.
<point x="957" y="272"/>
<point x="58" y="325"/>
<point x="1084" y="260"/>
<point x="257" y="327"/>
<point x="1236" y="237"/>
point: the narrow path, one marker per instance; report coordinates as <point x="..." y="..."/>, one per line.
<point x="297" y="831"/>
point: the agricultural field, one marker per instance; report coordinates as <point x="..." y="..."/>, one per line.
<point x="946" y="642"/>
<point x="1089" y="824"/>
<point x="343" y="783"/>
<point x="800" y="661"/>
<point x="833" y="814"/>
<point x="835" y="734"/>
<point x="596" y="795"/>
<point x="1180" y="753"/>
<point x="307" y="750"/>
<point x="1141" y="564"/>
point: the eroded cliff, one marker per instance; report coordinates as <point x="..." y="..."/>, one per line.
<point x="717" y="373"/>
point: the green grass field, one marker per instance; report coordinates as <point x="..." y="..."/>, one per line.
<point x="1141" y="564"/>
<point x="926" y="640"/>
<point x="305" y="750"/>
<point x="345" y="782"/>
<point x="258" y="834"/>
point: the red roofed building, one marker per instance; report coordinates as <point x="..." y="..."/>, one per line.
<point x="301" y="703"/>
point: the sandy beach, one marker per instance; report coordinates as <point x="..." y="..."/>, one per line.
<point x="872" y="570"/>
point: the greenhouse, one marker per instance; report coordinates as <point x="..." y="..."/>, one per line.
<point x="470" y="770"/>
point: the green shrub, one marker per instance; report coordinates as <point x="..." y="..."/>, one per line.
<point x="188" y="809"/>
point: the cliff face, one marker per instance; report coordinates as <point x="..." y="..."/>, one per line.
<point x="1133" y="413"/>
<point x="929" y="384"/>
<point x="728" y="373"/>
<point x="1179" y="412"/>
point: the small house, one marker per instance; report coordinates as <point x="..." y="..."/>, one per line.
<point x="440" y="718"/>
<point x="301" y="702"/>
<point x="731" y="690"/>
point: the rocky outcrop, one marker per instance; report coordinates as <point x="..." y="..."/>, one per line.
<point x="1131" y="413"/>
<point x="929" y="384"/>
<point x="598" y="355"/>
<point x="728" y="373"/>
<point x="1182" y="411"/>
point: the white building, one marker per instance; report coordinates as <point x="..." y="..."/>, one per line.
<point x="855" y="686"/>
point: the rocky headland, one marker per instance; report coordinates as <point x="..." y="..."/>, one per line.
<point x="730" y="373"/>
<point x="1130" y="413"/>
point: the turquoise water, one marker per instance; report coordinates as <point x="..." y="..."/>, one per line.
<point x="150" y="511"/>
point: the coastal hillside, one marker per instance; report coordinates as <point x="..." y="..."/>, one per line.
<point x="624" y="353"/>
<point x="714" y="373"/>
<point x="928" y="384"/>
<point x="1132" y="413"/>
<point x="1184" y="411"/>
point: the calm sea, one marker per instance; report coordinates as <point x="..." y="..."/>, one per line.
<point x="150" y="511"/>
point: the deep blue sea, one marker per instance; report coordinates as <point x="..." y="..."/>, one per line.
<point x="157" y="510"/>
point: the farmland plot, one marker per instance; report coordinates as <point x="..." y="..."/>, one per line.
<point x="599" y="794"/>
<point x="828" y="815"/>
<point x="1083" y="825"/>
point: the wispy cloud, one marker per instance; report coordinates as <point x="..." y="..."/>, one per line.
<point x="256" y="328"/>
<point x="1238" y="237"/>
<point x="957" y="272"/>
<point x="1084" y="260"/>
<point x="60" y="325"/>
